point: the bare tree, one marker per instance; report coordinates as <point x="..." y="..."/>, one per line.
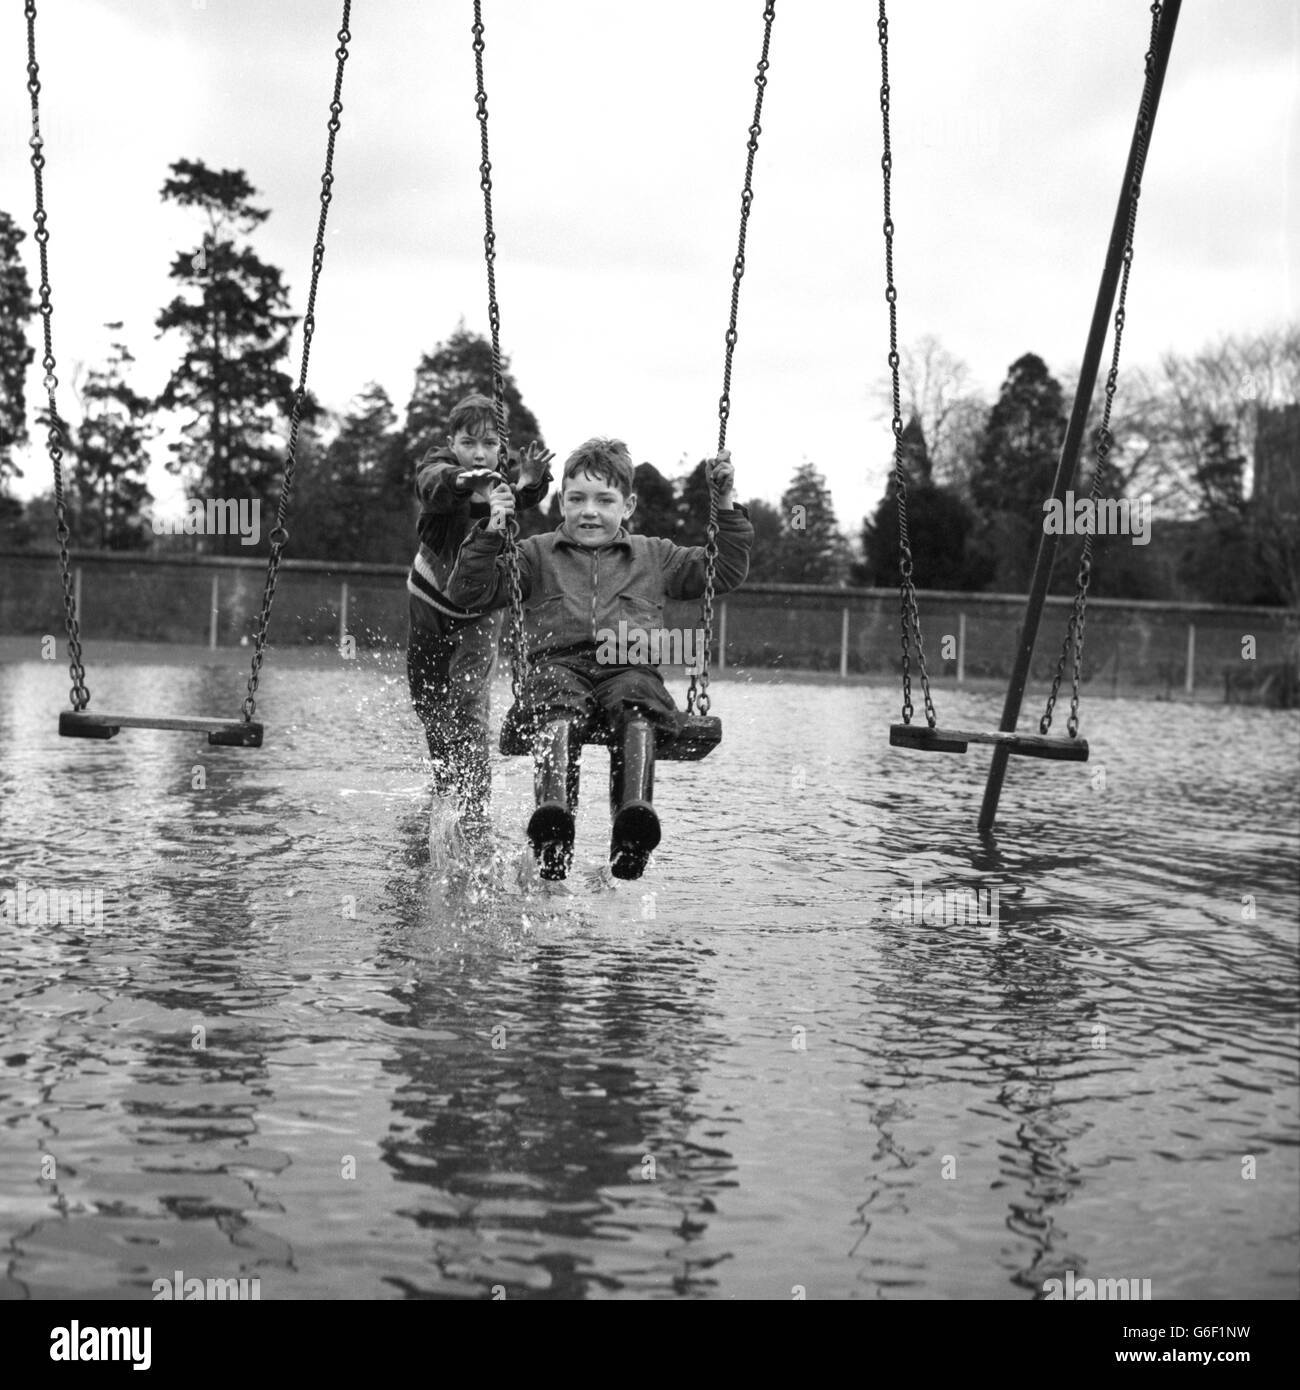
<point x="934" y="386"/>
<point x="1164" y="416"/>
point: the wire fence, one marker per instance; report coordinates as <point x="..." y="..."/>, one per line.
<point x="1159" y="648"/>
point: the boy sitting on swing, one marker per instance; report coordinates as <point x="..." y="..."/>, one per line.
<point x="578" y="582"/>
<point x="452" y="646"/>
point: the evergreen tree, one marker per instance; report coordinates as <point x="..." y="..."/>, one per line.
<point x="941" y="534"/>
<point x="1219" y="475"/>
<point x="1016" y="465"/>
<point x="346" y="505"/>
<point x="548" y="514"/>
<point x="235" y="324"/>
<point x="1221" y="561"/>
<point x="940" y="529"/>
<point x="656" y="503"/>
<point x="16" y="307"/>
<point x="28" y="525"/>
<point x="812" y="550"/>
<point x="111" y="458"/>
<point x="455" y="368"/>
<point x="765" y="558"/>
<point x="693" y="506"/>
<point x="14" y="529"/>
<point x="1119" y="569"/>
<point x="915" y="455"/>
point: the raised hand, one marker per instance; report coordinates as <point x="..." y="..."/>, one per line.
<point x="532" y="464"/>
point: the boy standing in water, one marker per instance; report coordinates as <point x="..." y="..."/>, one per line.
<point x="452" y="646"/>
<point x="579" y="583"/>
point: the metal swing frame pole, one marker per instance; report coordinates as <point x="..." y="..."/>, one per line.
<point x="1068" y="461"/>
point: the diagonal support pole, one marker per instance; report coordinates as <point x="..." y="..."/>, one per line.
<point x="1068" y="461"/>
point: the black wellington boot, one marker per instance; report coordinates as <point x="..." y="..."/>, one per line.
<point x="555" y="781"/>
<point x="631" y="789"/>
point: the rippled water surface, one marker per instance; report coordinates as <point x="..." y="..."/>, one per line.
<point x="292" y="1052"/>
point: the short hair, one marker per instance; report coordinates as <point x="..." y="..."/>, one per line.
<point x="606" y="459"/>
<point x="472" y="413"/>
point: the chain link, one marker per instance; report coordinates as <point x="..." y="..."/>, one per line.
<point x="515" y="633"/>
<point x="1072" y="647"/>
<point x="278" y="535"/>
<point x="697" y="700"/>
<point x="697" y="696"/>
<point x="911" y="620"/>
<point x="56" y="431"/>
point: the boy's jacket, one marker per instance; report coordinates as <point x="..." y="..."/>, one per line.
<point x="446" y="515"/>
<point x="571" y="592"/>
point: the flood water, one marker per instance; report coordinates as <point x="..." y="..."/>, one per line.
<point x="291" y="1052"/>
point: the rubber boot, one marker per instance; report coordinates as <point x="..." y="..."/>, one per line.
<point x="631" y="790"/>
<point x="555" y="782"/>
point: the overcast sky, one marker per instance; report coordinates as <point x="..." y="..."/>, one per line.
<point x="618" y="134"/>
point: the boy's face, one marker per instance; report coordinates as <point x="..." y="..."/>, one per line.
<point x="594" y="509"/>
<point x="475" y="446"/>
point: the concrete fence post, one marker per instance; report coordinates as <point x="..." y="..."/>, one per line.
<point x="213" y="613"/>
<point x="1189" y="683"/>
<point x="343" y="613"/>
<point x="844" y="645"/>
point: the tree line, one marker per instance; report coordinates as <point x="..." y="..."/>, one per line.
<point x="1188" y="436"/>
<point x="1210" y="443"/>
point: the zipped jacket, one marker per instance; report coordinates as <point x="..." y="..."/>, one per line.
<point x="446" y="515"/>
<point x="572" y="592"/>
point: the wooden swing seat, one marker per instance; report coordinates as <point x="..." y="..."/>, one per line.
<point x="227" y="733"/>
<point x="699" y="735"/>
<point x="927" y="740"/>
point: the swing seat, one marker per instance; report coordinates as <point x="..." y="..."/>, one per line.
<point x="927" y="740"/>
<point x="225" y="733"/>
<point x="699" y="735"/>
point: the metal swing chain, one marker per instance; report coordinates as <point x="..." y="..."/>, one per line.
<point x="515" y="637"/>
<point x="57" y="431"/>
<point x="278" y="535"/>
<point x="1073" y="643"/>
<point x="911" y="621"/>
<point x="697" y="700"/>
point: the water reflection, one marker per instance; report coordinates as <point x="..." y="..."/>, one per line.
<point x="744" y="1076"/>
<point x="541" y="1084"/>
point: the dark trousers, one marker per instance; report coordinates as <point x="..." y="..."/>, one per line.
<point x="573" y="685"/>
<point x="449" y="671"/>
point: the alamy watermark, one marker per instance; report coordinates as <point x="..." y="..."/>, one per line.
<point x="24" y="906"/>
<point x="944" y="907"/>
<point x="218" y="516"/>
<point x="1102" y="1290"/>
<point x="178" y="1288"/>
<point x="1106" y="516"/>
<point x="655" y="646"/>
<point x="77" y="1343"/>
